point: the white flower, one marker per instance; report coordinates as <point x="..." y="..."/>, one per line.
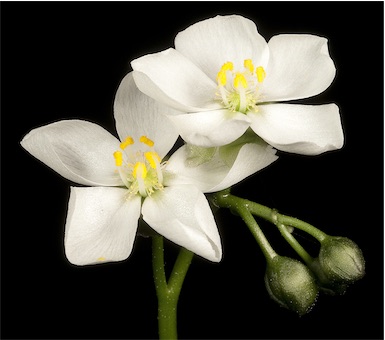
<point x="129" y="178"/>
<point x="225" y="77"/>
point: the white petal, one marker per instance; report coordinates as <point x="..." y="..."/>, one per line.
<point x="212" y="42"/>
<point x="251" y="158"/>
<point x="137" y="114"/>
<point x="302" y="129"/>
<point x="183" y="215"/>
<point x="211" y="128"/>
<point x="172" y="79"/>
<point x="78" y="150"/>
<point x="299" y="67"/>
<point x="101" y="225"/>
<point x="228" y="166"/>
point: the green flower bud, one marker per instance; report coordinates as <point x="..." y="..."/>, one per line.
<point x="341" y="260"/>
<point x="324" y="283"/>
<point x="291" y="284"/>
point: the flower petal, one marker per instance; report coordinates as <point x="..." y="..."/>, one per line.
<point x="172" y="79"/>
<point x="211" y="128"/>
<point x="228" y="166"/>
<point x="299" y="67"/>
<point x="101" y="225"/>
<point x="183" y="215"/>
<point x="302" y="129"/>
<point x="137" y="114"/>
<point x="78" y="150"/>
<point x="212" y="42"/>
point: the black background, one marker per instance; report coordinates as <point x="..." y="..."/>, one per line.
<point x="65" y="60"/>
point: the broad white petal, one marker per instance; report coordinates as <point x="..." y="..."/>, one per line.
<point x="172" y="79"/>
<point x="299" y="67"/>
<point x="302" y="129"/>
<point x="136" y="115"/>
<point x="80" y="151"/>
<point x="212" y="42"/>
<point x="211" y="128"/>
<point x="101" y="225"/>
<point x="250" y="159"/>
<point x="228" y="166"/>
<point x="183" y="215"/>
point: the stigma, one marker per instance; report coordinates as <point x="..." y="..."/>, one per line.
<point x="141" y="171"/>
<point x="238" y="90"/>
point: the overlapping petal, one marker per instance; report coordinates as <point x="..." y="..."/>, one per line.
<point x="299" y="67"/>
<point x="226" y="167"/>
<point x="182" y="214"/>
<point x="137" y="114"/>
<point x="174" y="80"/>
<point x="101" y="225"/>
<point x="303" y="129"/>
<point x="211" y="128"/>
<point x="78" y="150"/>
<point x="212" y="42"/>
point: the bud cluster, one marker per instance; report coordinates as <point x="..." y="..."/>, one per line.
<point x="295" y="285"/>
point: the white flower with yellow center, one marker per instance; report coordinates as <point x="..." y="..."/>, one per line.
<point x="225" y="78"/>
<point x="128" y="179"/>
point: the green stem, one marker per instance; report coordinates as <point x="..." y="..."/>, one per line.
<point x="271" y="215"/>
<point x="295" y="245"/>
<point x="240" y="206"/>
<point x="168" y="293"/>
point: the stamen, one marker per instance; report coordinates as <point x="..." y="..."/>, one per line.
<point x="240" y="79"/>
<point x="248" y="63"/>
<point x="221" y="78"/>
<point x="152" y="158"/>
<point x="261" y="74"/>
<point x="242" y="100"/>
<point x="146" y="141"/>
<point x="140" y="170"/>
<point x="118" y="158"/>
<point x="222" y="74"/>
<point x="140" y="173"/>
<point x="228" y="66"/>
<point x="128" y="141"/>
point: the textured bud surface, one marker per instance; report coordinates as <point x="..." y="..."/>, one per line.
<point x="341" y="260"/>
<point x="291" y="284"/>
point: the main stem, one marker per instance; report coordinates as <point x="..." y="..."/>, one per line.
<point x="168" y="292"/>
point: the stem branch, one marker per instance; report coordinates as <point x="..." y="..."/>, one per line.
<point x="168" y="293"/>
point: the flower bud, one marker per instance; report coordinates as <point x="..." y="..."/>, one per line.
<point x="341" y="260"/>
<point x="291" y="284"/>
<point x="324" y="283"/>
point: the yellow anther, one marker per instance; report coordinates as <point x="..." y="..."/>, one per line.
<point x="221" y="78"/>
<point x="101" y="259"/>
<point x="128" y="141"/>
<point x="140" y="170"/>
<point x="118" y="158"/>
<point x="240" y="79"/>
<point x="222" y="74"/>
<point x="228" y="66"/>
<point x="261" y="74"/>
<point x="152" y="158"/>
<point x="146" y="141"/>
<point x="249" y="65"/>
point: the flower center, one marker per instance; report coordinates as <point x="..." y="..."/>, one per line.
<point x="140" y="171"/>
<point x="239" y="91"/>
